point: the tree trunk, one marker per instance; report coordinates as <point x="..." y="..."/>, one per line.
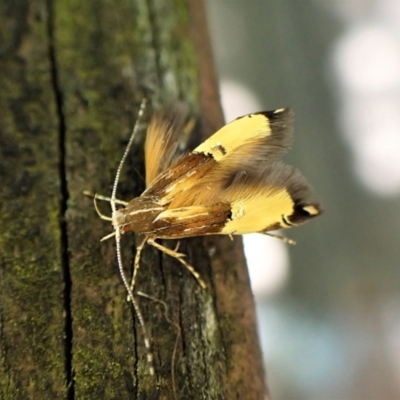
<point x="72" y="75"/>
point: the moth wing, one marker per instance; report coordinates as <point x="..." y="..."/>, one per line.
<point x="162" y="140"/>
<point x="191" y="221"/>
<point x="245" y="142"/>
<point x="246" y="145"/>
<point x="240" y="145"/>
<point x="236" y="169"/>
<point x="276" y="196"/>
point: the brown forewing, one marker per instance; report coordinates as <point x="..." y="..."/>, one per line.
<point x="143" y="216"/>
<point x="180" y="178"/>
<point x="191" y="221"/>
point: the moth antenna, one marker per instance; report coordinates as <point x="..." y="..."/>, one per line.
<point x="283" y="238"/>
<point x="126" y="152"/>
<point x="117" y="232"/>
<point x="135" y="304"/>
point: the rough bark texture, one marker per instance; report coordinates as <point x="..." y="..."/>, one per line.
<point x="72" y="75"/>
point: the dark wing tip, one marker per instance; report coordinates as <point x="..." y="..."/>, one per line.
<point x="304" y="212"/>
<point x="282" y="118"/>
<point x="280" y="122"/>
<point x="305" y="206"/>
<point x="279" y="114"/>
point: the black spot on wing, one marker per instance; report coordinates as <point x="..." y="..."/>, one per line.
<point x="220" y="148"/>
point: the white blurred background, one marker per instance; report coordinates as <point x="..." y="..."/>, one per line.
<point x="328" y="308"/>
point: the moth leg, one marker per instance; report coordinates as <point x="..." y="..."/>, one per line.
<point x="110" y="235"/>
<point x="179" y="257"/>
<point x="96" y="207"/>
<point x="102" y="216"/>
<point x="283" y="238"/>
<point x="104" y="198"/>
<point x="177" y="246"/>
<point x="136" y="264"/>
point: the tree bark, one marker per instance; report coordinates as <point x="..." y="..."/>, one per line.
<point x="72" y="75"/>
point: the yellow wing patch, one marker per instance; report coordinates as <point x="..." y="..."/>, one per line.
<point x="260" y="214"/>
<point x="223" y="143"/>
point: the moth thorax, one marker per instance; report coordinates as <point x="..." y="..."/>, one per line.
<point x="138" y="216"/>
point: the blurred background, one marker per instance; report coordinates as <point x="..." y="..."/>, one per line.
<point x="329" y="307"/>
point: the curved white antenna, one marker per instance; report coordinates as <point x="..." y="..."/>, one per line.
<point x="113" y="202"/>
<point x="126" y="152"/>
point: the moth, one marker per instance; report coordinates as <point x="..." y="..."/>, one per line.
<point x="232" y="184"/>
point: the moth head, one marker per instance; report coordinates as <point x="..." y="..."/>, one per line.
<point x="120" y="221"/>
